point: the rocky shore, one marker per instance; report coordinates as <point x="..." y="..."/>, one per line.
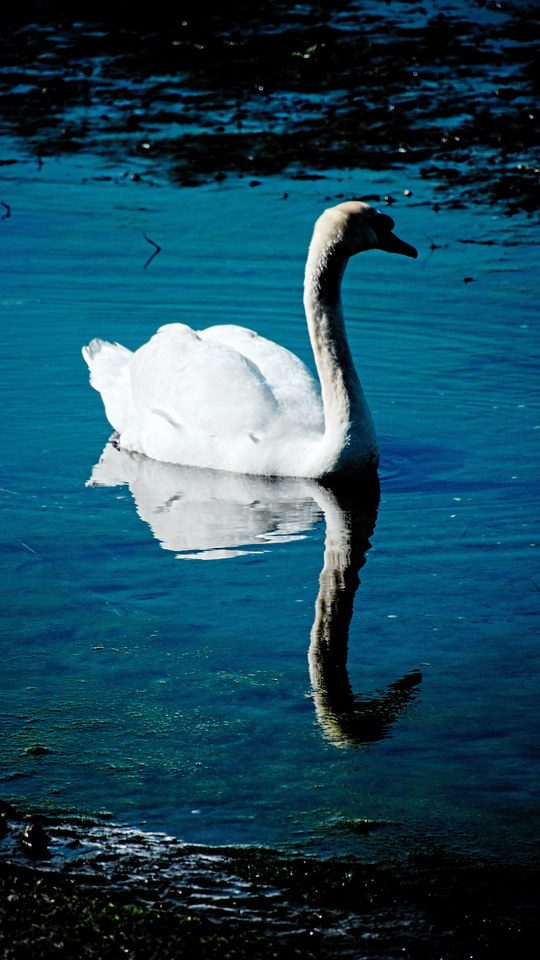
<point x="69" y="888"/>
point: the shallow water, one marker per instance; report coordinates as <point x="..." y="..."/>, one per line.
<point x="175" y="695"/>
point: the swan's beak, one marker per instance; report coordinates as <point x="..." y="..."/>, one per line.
<point x="393" y="244"/>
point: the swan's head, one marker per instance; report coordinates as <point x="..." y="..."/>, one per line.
<point x="355" y="226"/>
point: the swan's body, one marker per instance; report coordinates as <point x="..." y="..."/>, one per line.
<point x="228" y="399"/>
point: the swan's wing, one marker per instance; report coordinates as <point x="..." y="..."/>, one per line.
<point x="205" y="387"/>
<point x="109" y="375"/>
<point x="289" y="379"/>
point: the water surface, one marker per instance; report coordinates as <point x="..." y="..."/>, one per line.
<point x="175" y="694"/>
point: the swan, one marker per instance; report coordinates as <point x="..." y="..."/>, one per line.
<point x="226" y="398"/>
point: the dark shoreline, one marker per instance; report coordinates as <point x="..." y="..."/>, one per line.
<point x="108" y="891"/>
<point x="44" y="915"/>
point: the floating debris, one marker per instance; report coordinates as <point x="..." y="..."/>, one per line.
<point x="154" y="254"/>
<point x="38" y="750"/>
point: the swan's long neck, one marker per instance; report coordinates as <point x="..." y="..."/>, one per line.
<point x="349" y="439"/>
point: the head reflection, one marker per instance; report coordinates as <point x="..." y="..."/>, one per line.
<point x="204" y="514"/>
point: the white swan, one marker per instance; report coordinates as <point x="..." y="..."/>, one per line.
<point x="228" y="399"/>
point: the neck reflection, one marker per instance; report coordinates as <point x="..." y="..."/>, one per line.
<point x="347" y="719"/>
<point x="205" y="514"/>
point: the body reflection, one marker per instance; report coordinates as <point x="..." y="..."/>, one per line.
<point x="205" y="514"/>
<point x="209" y="514"/>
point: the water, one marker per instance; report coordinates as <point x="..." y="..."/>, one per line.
<point x="173" y="694"/>
<point x="196" y="692"/>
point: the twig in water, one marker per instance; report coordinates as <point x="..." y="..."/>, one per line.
<point x="152" y="255"/>
<point x="7" y="208"/>
<point x="433" y="245"/>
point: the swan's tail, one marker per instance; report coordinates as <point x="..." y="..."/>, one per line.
<point x="109" y="375"/>
<point x="105" y="361"/>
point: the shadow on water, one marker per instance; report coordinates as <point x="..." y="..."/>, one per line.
<point x="213" y="515"/>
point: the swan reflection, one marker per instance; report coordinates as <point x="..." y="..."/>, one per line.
<point x="205" y="514"/>
<point x="345" y="718"/>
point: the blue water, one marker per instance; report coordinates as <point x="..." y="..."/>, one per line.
<point x="174" y="694"/>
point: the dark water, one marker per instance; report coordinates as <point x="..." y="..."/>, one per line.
<point x="156" y="695"/>
<point x="448" y="88"/>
